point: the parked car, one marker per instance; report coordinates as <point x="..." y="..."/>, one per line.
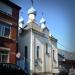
<point x="12" y="69"/>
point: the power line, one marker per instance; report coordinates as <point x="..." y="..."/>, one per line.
<point x="63" y="46"/>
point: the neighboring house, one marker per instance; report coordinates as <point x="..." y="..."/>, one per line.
<point x="67" y="63"/>
<point x="39" y="53"/>
<point x="62" y="67"/>
<point x="9" y="15"/>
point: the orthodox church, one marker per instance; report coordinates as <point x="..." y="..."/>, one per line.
<point x="39" y="53"/>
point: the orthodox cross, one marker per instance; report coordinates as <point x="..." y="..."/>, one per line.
<point x="32" y="2"/>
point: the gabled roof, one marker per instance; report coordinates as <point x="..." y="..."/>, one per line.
<point x="67" y="55"/>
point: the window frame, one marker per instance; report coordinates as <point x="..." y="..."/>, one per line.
<point x="5" y="55"/>
<point x="3" y="27"/>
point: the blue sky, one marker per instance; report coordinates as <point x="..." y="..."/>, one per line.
<point x="60" y="18"/>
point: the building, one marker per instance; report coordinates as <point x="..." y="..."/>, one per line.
<point x="9" y="15"/>
<point x="39" y="53"/>
<point x="66" y="62"/>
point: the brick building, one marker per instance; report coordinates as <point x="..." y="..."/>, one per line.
<point x="9" y="15"/>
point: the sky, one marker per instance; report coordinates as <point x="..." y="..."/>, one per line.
<point x="59" y="16"/>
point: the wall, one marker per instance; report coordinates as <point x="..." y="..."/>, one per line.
<point x="8" y="16"/>
<point x="44" y="62"/>
<point x="55" y="59"/>
<point x="24" y="40"/>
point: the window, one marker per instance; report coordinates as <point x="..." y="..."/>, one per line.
<point x="7" y="31"/>
<point x="37" y="51"/>
<point x="26" y="52"/>
<point x="4" y="56"/>
<point x="54" y="55"/>
<point x="5" y="8"/>
<point x="4" y="30"/>
<point x="47" y="49"/>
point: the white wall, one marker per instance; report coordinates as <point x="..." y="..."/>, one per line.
<point x="55" y="60"/>
<point x="24" y="40"/>
<point x="45" y="60"/>
<point x="38" y="41"/>
<point x="46" y="63"/>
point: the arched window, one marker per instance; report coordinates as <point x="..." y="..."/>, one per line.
<point x="26" y="52"/>
<point x="46" y="48"/>
<point x="37" y="51"/>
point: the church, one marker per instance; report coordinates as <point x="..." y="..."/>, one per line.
<point x="38" y="48"/>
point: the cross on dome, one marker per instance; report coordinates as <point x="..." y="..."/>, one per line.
<point x="32" y="10"/>
<point x="42" y="19"/>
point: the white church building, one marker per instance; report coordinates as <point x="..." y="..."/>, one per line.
<point x="39" y="53"/>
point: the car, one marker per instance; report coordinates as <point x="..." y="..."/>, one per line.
<point x="12" y="69"/>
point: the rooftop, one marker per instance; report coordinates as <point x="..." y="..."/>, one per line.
<point x="67" y="55"/>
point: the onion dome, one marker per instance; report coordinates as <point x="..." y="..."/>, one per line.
<point x="42" y="21"/>
<point x="32" y="11"/>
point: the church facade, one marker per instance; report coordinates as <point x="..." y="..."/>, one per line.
<point x="39" y="53"/>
